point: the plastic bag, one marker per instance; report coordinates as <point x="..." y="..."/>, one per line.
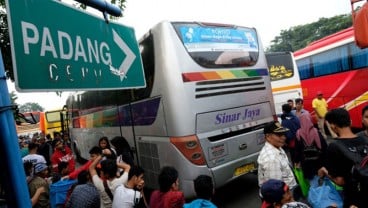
<point x="322" y="193"/>
<point x="58" y="192"/>
<point x="303" y="183"/>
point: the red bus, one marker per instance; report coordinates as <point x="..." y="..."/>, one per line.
<point x="338" y="68"/>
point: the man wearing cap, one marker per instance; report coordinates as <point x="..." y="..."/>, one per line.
<point x="320" y="106"/>
<point x="38" y="181"/>
<point x="273" y="162"/>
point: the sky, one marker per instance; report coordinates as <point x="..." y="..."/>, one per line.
<point x="267" y="16"/>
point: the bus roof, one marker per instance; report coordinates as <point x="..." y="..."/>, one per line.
<point x="339" y="36"/>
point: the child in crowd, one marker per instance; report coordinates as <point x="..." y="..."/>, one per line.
<point x="107" y="151"/>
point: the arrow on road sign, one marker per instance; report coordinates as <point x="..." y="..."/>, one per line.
<point x="127" y="62"/>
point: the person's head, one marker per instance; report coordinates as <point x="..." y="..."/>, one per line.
<point x="48" y="137"/>
<point x="168" y="179"/>
<point x="365" y="117"/>
<point x="57" y="135"/>
<point x="57" y="144"/>
<point x="95" y="152"/>
<point x="299" y="103"/>
<point x="42" y="138"/>
<point x="104" y="143"/>
<point x="275" y="134"/>
<point x="109" y="168"/>
<point x="286" y="108"/>
<point x="136" y="176"/>
<point x="275" y="193"/>
<point x="83" y="177"/>
<point x="66" y="136"/>
<point x="41" y="169"/>
<point x="319" y="95"/>
<point x="290" y="102"/>
<point x="338" y="117"/>
<point x="120" y="144"/>
<point x="63" y="168"/>
<point x="203" y="187"/>
<point x="32" y="147"/>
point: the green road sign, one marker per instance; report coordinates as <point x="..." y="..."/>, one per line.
<point x="56" y="47"/>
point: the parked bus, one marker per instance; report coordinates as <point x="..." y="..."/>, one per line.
<point x="207" y="99"/>
<point x="338" y="68"/>
<point x="285" y="80"/>
<point x="53" y="121"/>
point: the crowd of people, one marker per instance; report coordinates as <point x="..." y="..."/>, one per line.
<point x="111" y="178"/>
<point x="329" y="153"/>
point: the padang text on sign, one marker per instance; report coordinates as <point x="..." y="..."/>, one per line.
<point x="89" y="51"/>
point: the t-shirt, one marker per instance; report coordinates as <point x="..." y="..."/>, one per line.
<point x="98" y="182"/>
<point x="320" y="105"/>
<point x="125" y="197"/>
<point x="200" y="203"/>
<point x="65" y="156"/>
<point x="338" y="164"/>
<point x="363" y="135"/>
<point x="84" y="195"/>
<point x="170" y="199"/>
<point x="34" y="159"/>
<point x="43" y="200"/>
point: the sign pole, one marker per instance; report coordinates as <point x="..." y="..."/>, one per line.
<point x="13" y="176"/>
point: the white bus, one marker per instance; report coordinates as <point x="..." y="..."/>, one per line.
<point x="285" y="80"/>
<point x="207" y="99"/>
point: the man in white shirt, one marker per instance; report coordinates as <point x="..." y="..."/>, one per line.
<point x="126" y="195"/>
<point x="107" y="186"/>
<point x="33" y="157"/>
<point x="273" y="163"/>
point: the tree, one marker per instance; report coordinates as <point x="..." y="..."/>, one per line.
<point x="4" y="34"/>
<point x="4" y="41"/>
<point x="300" y="36"/>
<point x="29" y="107"/>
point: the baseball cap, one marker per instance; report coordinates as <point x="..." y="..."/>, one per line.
<point x="39" y="167"/>
<point x="272" y="191"/>
<point x="275" y="128"/>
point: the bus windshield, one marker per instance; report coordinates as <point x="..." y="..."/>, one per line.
<point x="219" y="46"/>
<point x="285" y="80"/>
<point x="280" y="66"/>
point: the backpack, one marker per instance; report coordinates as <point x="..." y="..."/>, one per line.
<point x="359" y="171"/>
<point x="311" y="152"/>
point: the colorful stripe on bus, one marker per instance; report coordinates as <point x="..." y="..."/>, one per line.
<point x="223" y="74"/>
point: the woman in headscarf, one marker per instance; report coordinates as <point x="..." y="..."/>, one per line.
<point x="310" y="147"/>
